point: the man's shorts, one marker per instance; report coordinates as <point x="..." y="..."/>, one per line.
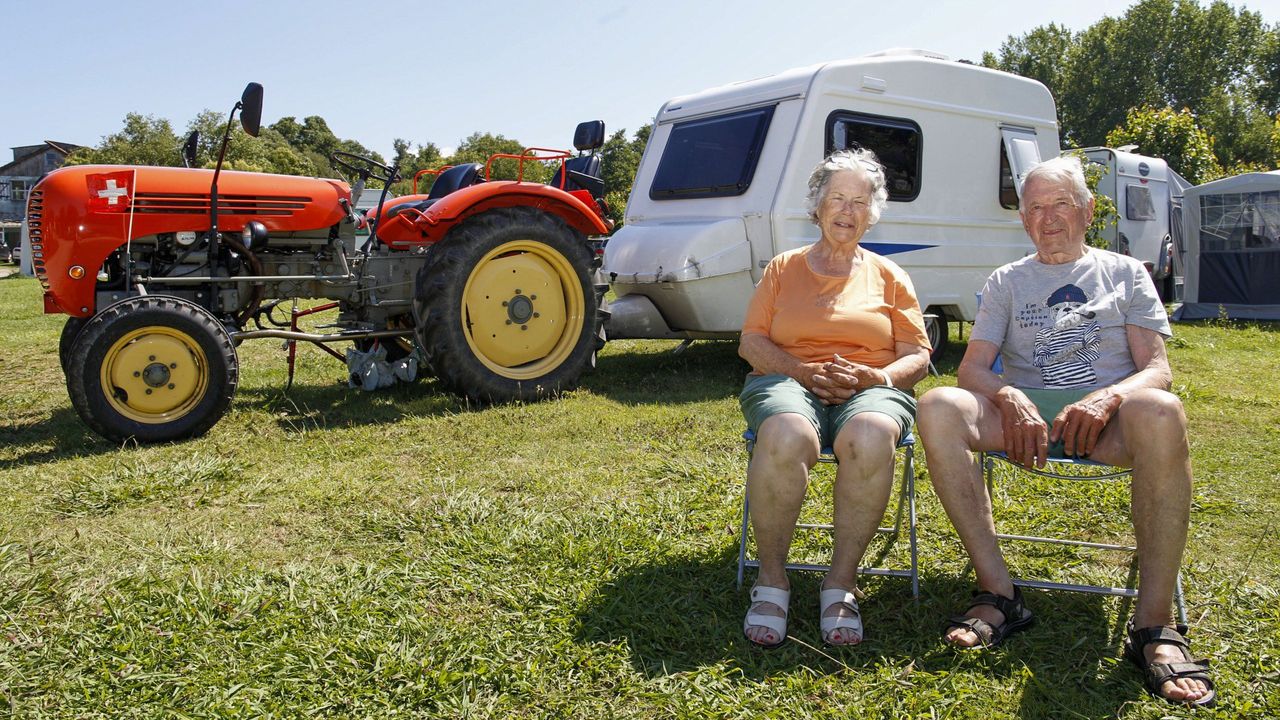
<point x="1049" y="403"/>
<point x="766" y="395"/>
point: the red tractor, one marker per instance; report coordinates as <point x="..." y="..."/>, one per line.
<point x="164" y="271"/>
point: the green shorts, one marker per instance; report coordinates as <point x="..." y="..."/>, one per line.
<point x="1049" y="403"/>
<point x="766" y="395"/>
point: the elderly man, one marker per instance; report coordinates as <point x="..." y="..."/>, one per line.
<point x="1081" y="335"/>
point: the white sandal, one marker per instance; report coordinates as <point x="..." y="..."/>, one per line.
<point x="829" y="624"/>
<point x="776" y="623"/>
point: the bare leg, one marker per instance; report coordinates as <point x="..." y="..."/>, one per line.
<point x="864" y="478"/>
<point x="953" y="424"/>
<point x="786" y="449"/>
<point x="1149" y="434"/>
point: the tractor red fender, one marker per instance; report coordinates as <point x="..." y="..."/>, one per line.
<point x="411" y="228"/>
<point x="77" y="216"/>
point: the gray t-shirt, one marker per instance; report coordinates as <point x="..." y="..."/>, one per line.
<point x="1062" y="326"/>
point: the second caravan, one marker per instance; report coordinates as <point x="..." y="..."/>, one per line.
<point x="721" y="187"/>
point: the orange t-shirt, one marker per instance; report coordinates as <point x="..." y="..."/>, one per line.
<point x="814" y="317"/>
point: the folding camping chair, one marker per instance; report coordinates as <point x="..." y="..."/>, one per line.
<point x="1074" y="471"/>
<point x="906" y="508"/>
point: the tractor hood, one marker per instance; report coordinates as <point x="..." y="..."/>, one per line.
<point x="77" y="216"/>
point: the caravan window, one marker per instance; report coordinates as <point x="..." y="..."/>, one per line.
<point x="896" y="141"/>
<point x="1008" y="190"/>
<point x="1137" y="203"/>
<point x="711" y="157"/>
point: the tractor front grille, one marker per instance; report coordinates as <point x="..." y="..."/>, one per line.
<point x="35" y="236"/>
<point x="198" y="204"/>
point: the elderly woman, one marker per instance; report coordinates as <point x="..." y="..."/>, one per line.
<point x="836" y="341"/>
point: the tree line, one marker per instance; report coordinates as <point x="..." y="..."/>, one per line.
<point x="1198" y="85"/>
<point x="292" y="147"/>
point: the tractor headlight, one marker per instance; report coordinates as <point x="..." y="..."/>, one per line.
<point x="254" y="236"/>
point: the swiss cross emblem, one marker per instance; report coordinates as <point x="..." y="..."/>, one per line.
<point x="109" y="192"/>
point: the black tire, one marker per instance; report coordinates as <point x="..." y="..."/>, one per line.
<point x="174" y="357"/>
<point x="481" y="326"/>
<point x="70" y="331"/>
<point x="935" y="328"/>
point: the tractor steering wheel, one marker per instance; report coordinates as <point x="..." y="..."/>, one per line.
<point x="363" y="166"/>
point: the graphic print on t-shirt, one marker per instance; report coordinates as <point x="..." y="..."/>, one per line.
<point x="1067" y="347"/>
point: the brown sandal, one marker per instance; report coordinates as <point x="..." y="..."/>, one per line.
<point x="1016" y="617"/>
<point x="1155" y="674"/>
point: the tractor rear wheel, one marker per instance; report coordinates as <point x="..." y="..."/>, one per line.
<point x="505" y="307"/>
<point x="152" y="368"/>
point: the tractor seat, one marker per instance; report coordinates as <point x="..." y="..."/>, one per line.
<point x="455" y="178"/>
<point x="584" y="174"/>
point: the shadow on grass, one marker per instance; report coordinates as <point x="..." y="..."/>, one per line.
<point x="337" y="405"/>
<point x="60" y="437"/>
<point x="63" y="435"/>
<point x="686" y="615"/>
<point x="705" y="370"/>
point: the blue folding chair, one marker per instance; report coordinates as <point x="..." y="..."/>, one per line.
<point x="906" y="508"/>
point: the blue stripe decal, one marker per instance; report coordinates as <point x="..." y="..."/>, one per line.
<point x="882" y="248"/>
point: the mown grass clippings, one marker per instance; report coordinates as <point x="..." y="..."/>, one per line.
<point x="328" y="552"/>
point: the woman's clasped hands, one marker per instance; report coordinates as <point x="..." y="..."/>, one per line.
<point x="836" y="381"/>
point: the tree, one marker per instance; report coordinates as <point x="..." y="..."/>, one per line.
<point x="269" y="152"/>
<point x="1174" y="136"/>
<point x="144" y="140"/>
<point x="427" y="157"/>
<point x="1040" y="54"/>
<point x="1267" y="89"/>
<point x="314" y="140"/>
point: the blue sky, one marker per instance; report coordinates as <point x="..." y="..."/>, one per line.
<point x="436" y="71"/>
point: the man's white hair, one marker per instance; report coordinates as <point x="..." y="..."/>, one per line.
<point x="1064" y="168"/>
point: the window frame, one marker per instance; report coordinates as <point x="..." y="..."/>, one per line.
<point x="751" y="161"/>
<point x="1129" y="204"/>
<point x="884" y="121"/>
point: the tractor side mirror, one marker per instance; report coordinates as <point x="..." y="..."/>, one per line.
<point x="189" y="148"/>
<point x="251" y="108"/>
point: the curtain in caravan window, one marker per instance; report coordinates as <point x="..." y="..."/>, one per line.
<point x="1022" y="151"/>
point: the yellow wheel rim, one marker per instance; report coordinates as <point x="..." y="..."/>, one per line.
<point x="155" y="375"/>
<point x="522" y="309"/>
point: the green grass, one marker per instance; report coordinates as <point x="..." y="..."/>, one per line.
<point x="324" y="551"/>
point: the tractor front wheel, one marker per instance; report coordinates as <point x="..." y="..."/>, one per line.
<point x="70" y="331"/>
<point x="505" y="308"/>
<point x="152" y="368"/>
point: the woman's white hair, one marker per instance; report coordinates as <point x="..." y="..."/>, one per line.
<point x="859" y="161"/>
<point x="1064" y="169"/>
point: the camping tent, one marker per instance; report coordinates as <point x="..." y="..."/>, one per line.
<point x="1231" y="248"/>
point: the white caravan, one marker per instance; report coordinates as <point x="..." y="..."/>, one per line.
<point x="1144" y="190"/>
<point x="721" y="187"/>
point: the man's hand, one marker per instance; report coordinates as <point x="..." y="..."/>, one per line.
<point x="1026" y="436"/>
<point x="1080" y="423"/>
